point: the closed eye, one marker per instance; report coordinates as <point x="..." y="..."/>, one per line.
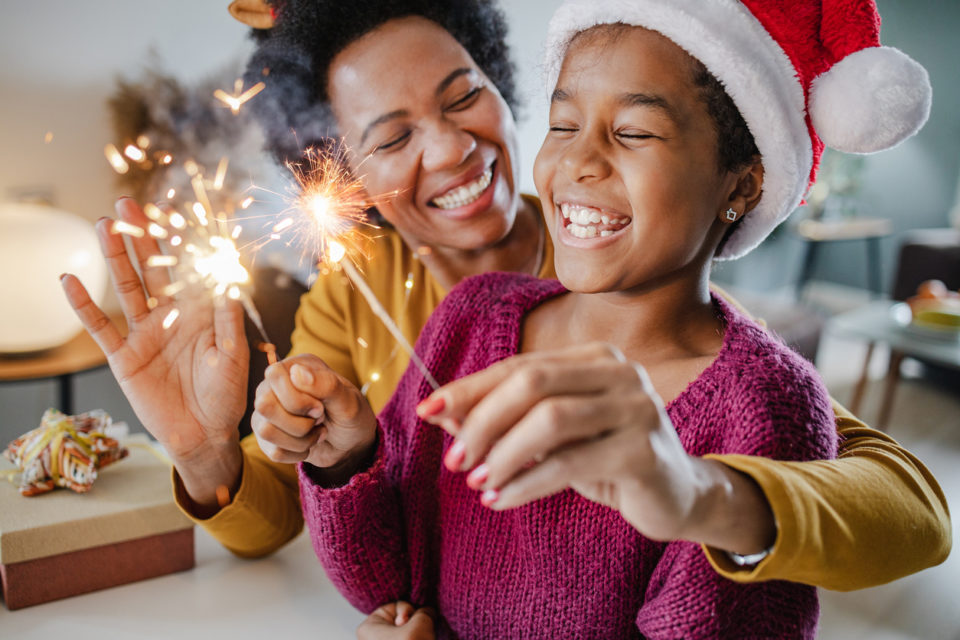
<point x="393" y="143"/>
<point x="467" y="100"/>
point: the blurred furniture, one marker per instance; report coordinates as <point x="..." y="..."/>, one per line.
<point x="815" y="233"/>
<point x="60" y="363"/>
<point x="927" y="254"/>
<point x="876" y="322"/>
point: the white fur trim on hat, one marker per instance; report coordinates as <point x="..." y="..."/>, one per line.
<point x="753" y="69"/>
<point x="873" y="99"/>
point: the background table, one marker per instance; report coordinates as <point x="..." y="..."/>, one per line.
<point x="60" y="363"/>
<point x="814" y="233"/>
<point x="875" y="323"/>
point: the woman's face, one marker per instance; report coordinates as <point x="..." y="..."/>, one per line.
<point x="429" y="135"/>
<point x="628" y="171"/>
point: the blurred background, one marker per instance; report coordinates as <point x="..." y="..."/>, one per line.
<point x="62" y="61"/>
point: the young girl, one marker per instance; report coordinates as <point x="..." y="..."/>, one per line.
<point x="586" y="459"/>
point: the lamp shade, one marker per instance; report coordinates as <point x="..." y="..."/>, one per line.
<point x="37" y="244"/>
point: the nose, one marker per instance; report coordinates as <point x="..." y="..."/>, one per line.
<point x="584" y="158"/>
<point x="446" y="145"/>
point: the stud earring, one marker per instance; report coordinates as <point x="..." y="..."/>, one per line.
<point x="731" y="215"/>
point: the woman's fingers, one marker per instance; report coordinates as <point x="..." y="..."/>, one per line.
<point x="583" y="462"/>
<point x="94" y="320"/>
<point x="155" y="277"/>
<point x="553" y="424"/>
<point x="228" y="327"/>
<point x="527" y="388"/>
<point x="126" y="282"/>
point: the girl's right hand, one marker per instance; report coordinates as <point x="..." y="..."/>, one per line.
<point x="187" y="383"/>
<point x="305" y="411"/>
<point x="398" y="621"/>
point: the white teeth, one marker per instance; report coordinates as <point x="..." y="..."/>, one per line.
<point x="583" y="221"/>
<point x="465" y="194"/>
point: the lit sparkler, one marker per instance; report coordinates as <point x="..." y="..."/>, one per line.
<point x="209" y="258"/>
<point x="239" y="96"/>
<point x="332" y="213"/>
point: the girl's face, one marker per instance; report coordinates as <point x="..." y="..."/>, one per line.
<point x="628" y="172"/>
<point x="429" y="135"/>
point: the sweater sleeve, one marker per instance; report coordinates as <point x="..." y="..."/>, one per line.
<point x="686" y="598"/>
<point x="357" y="533"/>
<point x="781" y="411"/>
<point x="835" y="517"/>
<point x="265" y="512"/>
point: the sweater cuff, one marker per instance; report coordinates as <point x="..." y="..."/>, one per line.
<point x="249" y="525"/>
<point x="369" y="472"/>
<point x="790" y="531"/>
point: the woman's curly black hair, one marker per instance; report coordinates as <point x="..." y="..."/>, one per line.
<point x="294" y="56"/>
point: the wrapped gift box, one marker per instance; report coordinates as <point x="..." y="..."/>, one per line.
<point x="61" y="544"/>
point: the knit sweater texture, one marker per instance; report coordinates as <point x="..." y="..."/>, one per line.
<point x="561" y="567"/>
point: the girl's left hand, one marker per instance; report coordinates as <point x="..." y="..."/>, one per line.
<point x="398" y="621"/>
<point x="586" y="418"/>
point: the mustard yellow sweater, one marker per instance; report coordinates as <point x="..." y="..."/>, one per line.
<point x="834" y="518"/>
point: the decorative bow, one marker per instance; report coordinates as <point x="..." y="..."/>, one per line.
<point x="64" y="451"/>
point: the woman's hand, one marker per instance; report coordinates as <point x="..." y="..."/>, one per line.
<point x="586" y="418"/>
<point x="398" y="621"/>
<point x="306" y="411"/>
<point x="187" y="383"/>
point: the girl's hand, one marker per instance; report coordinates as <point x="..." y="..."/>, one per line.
<point x="398" y="621"/>
<point x="187" y="383"/>
<point x="586" y="418"/>
<point x="306" y="411"/>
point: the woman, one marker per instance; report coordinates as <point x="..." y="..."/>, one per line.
<point x="426" y="130"/>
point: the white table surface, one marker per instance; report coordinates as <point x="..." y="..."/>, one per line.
<point x="875" y="322"/>
<point x="223" y="596"/>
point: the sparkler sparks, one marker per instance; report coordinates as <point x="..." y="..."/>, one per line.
<point x="209" y="259"/>
<point x="239" y="96"/>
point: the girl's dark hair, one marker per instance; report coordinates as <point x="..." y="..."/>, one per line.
<point x="293" y="58"/>
<point x="736" y="146"/>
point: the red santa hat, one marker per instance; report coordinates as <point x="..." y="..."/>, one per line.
<point x="803" y="73"/>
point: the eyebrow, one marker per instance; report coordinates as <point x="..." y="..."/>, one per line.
<point x="400" y="113"/>
<point x="628" y="100"/>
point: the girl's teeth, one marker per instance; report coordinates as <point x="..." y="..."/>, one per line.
<point x="583" y="221"/>
<point x="465" y="194"/>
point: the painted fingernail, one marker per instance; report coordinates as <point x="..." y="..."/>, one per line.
<point x="478" y="476"/>
<point x="455" y="455"/>
<point x="431" y="406"/>
<point x="489" y="496"/>
<point x="301" y="376"/>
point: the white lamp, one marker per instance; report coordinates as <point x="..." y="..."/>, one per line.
<point x="37" y="244"/>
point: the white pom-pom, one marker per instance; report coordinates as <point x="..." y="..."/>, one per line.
<point x="871" y="100"/>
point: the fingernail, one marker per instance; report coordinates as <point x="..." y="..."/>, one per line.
<point x="62" y="276"/>
<point x="316" y="413"/>
<point x="301" y="375"/>
<point x="455" y="456"/>
<point x="489" y="497"/>
<point x="431" y="406"/>
<point x="478" y="476"/>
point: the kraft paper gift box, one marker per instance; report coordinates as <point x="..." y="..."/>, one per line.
<point x="61" y="543"/>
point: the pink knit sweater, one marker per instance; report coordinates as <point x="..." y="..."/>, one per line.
<point x="562" y="567"/>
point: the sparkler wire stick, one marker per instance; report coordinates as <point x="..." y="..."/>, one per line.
<point x="388" y="322"/>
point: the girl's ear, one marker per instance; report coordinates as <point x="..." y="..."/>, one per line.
<point x="746" y="192"/>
